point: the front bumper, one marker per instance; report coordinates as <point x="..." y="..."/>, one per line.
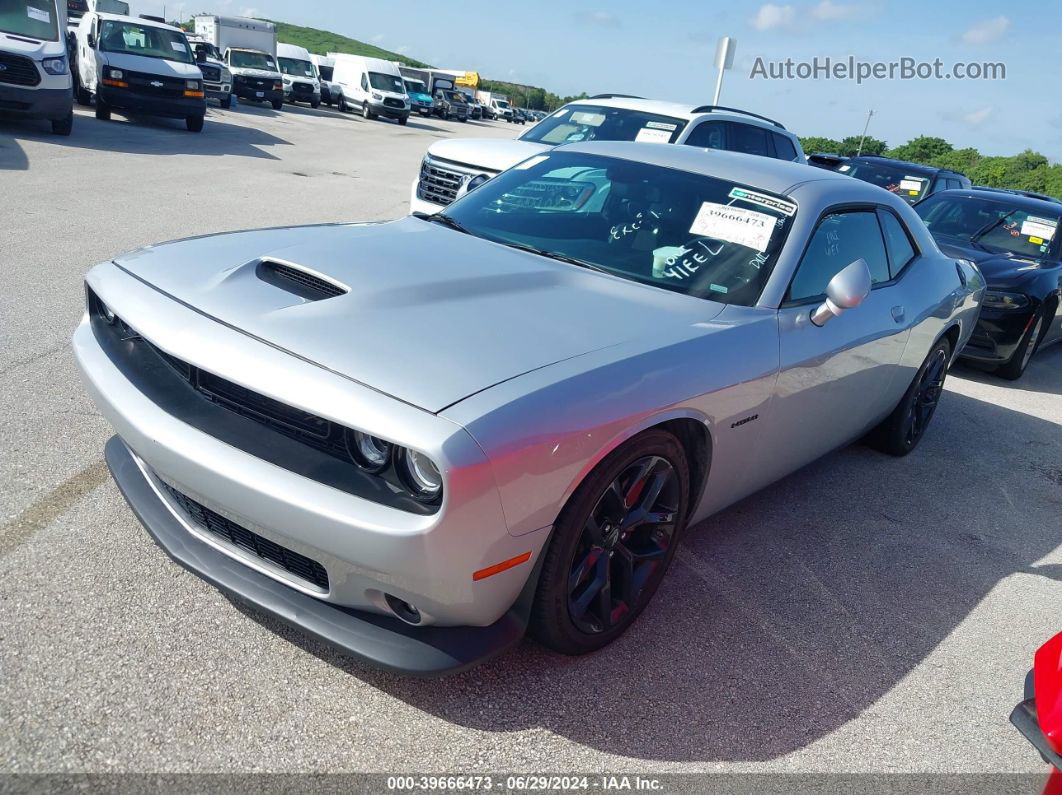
<point x="290" y="95"/>
<point x="378" y="640"/>
<point x="166" y="107"/>
<point x="36" y="103"/>
<point x="380" y="109"/>
<point x="278" y="488"/>
<point x="997" y="334"/>
<point x="1025" y="720"/>
<point x="218" y="91"/>
<point x="244" y="91"/>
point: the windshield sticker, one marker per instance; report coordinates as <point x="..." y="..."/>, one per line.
<point x="645" y="135"/>
<point x="1034" y="226"/>
<point x="38" y="14"/>
<point x="734" y="225"/>
<point x="589" y="119"/>
<point x="1036" y="240"/>
<point x="911" y="184"/>
<point x="718" y="288"/>
<point x="661" y="125"/>
<point x="763" y="200"/>
<point x="531" y="162"/>
<point x="560" y="113"/>
<point x="178" y="46"/>
<point x="844" y="168"/>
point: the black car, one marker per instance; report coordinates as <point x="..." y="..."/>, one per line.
<point x="912" y="182"/>
<point x="1014" y="240"/>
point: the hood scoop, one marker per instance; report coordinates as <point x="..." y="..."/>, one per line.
<point x="298" y="281"/>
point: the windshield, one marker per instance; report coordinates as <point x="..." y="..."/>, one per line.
<point x="325" y="72"/>
<point x="386" y="83"/>
<point x="210" y="50"/>
<point x="296" y="67"/>
<point x="145" y="40"/>
<point x="246" y="59"/>
<point x="599" y="123"/>
<point x="454" y="96"/>
<point x="895" y="179"/>
<point x="415" y="87"/>
<point x="991" y="225"/>
<point x="501" y="103"/>
<point x="36" y="19"/>
<point x="672" y="229"/>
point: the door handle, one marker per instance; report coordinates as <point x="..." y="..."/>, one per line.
<point x="898" y="314"/>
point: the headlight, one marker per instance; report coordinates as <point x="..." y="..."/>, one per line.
<point x="377" y="96"/>
<point x="54" y="66"/>
<point x="191" y="85"/>
<point x="287" y="81"/>
<point x="369" y="452"/>
<point x="116" y="74"/>
<point x="1001" y="300"/>
<point x="226" y="76"/>
<point x="421" y="475"/>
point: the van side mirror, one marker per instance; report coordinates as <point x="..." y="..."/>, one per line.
<point x="91" y="41"/>
<point x="846" y="290"/>
<point x="200" y="55"/>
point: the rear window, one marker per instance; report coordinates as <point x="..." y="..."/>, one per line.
<point x="748" y="139"/>
<point x="783" y="147"/>
<point x="990" y="224"/>
<point x="574" y="123"/>
<point x="895" y="179"/>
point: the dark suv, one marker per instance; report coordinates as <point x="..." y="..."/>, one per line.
<point x="451" y="104"/>
<point x="912" y="182"/>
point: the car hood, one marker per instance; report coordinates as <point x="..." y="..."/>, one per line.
<point x="432" y="315"/>
<point x="416" y="96"/>
<point x="495" y="155"/>
<point x="34" y="48"/>
<point x="1000" y="270"/>
<point x="151" y="66"/>
<point x="248" y="71"/>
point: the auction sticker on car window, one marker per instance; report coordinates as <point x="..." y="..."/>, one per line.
<point x="912" y="184"/>
<point x="647" y="135"/>
<point x="38" y="14"/>
<point x="591" y="119"/>
<point x="1034" y="226"/>
<point x="763" y="200"/>
<point x="734" y="225"/>
<point x="177" y="45"/>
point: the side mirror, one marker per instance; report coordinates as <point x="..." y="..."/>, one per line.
<point x="91" y="40"/>
<point x="200" y="55"/>
<point x="846" y="290"/>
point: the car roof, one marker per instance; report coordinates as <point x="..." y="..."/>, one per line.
<point x="907" y="164"/>
<point x="677" y="109"/>
<point x="768" y="173"/>
<point x="1007" y="197"/>
<point x="150" y="23"/>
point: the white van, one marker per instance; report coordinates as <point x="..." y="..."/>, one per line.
<point x="139" y="66"/>
<point x="34" y="67"/>
<point x="300" y="76"/>
<point x="371" y="85"/>
<point x="331" y="93"/>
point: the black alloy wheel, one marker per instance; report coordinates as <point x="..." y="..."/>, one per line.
<point x="900" y="432"/>
<point x="612" y="544"/>
<point x="1014" y="367"/>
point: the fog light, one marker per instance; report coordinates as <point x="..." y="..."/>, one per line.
<point x="404" y="610"/>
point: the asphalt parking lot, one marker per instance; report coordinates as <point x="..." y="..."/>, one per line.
<point x="865" y="614"/>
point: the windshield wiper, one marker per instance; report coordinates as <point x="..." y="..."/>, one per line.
<point x="581" y="263"/>
<point x="445" y="220"/>
<point x="984" y="230"/>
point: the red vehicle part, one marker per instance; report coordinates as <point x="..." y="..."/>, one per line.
<point x="1039" y="716"/>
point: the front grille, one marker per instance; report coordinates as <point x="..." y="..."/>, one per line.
<point x="292" y="562"/>
<point x="302" y="88"/>
<point x="440" y="179"/>
<point x="257" y="83"/>
<point x="303" y="284"/>
<point x="211" y="73"/>
<point x="18" y="70"/>
<point x="391" y="102"/>
<point x="154" y="85"/>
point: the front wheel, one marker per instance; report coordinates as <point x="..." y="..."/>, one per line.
<point x="103" y="112"/>
<point x="612" y="545"/>
<point x="1014" y="367"/>
<point x="227" y="102"/>
<point x="403" y="119"/>
<point x="63" y="126"/>
<point x="315" y="104"/>
<point x="194" y="123"/>
<point x="900" y="432"/>
<point x="81" y="94"/>
<point x="366" y="113"/>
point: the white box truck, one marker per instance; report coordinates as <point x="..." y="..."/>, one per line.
<point x="249" y="47"/>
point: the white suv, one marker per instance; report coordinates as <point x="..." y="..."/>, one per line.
<point x="452" y="167"/>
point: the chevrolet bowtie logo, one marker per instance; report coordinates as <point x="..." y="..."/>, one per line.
<point x="156" y="84"/>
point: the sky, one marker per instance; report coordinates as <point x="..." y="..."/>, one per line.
<point x="665" y="50"/>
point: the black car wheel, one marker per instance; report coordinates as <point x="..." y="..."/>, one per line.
<point x="194" y="123"/>
<point x="81" y="94"/>
<point x="1014" y="367"/>
<point x="63" y="126"/>
<point x="612" y="545"/>
<point x="903" y="429"/>
<point x="227" y="102"/>
<point x="103" y="112"/>
<point x="277" y="104"/>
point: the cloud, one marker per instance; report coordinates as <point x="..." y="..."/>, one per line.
<point x="977" y="117"/>
<point x="828" y="11"/>
<point x="986" y="31"/>
<point x="248" y="11"/>
<point x="377" y="38"/>
<point x="771" y="16"/>
<point x="598" y="19"/>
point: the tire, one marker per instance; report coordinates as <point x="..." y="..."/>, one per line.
<point x="194" y="123"/>
<point x="103" y="112"/>
<point x="227" y="102"/>
<point x="81" y="94"/>
<point x="63" y="126"/>
<point x="900" y="432"/>
<point x="315" y="104"/>
<point x="1014" y="367"/>
<point x="277" y="104"/>
<point x="342" y="105"/>
<point x="584" y="617"/>
<point x="367" y="114"/>
<point x="463" y="119"/>
<point x="403" y="120"/>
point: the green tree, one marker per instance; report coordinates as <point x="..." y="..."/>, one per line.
<point x="961" y="160"/>
<point x="1053" y="181"/>
<point x="871" y="146"/>
<point x="990" y="171"/>
<point x="816" y="143"/>
<point x="922" y="149"/>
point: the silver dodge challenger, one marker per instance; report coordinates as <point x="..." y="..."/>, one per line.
<point x="419" y="440"/>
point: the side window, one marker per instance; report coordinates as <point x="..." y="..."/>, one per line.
<point x="783" y="147"/>
<point x="954" y="184"/>
<point x="839" y="240"/>
<point x="364" y="82"/>
<point x="708" y="134"/>
<point x="748" y="139"/>
<point x="897" y="241"/>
